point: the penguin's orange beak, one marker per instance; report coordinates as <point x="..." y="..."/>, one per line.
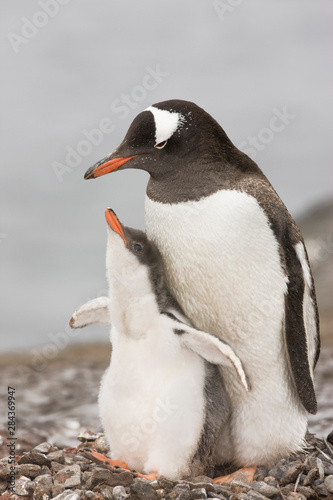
<point x="105" y="166"/>
<point x="114" y="223"/>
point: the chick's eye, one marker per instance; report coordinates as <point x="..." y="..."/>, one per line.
<point x="160" y="145"/>
<point x="137" y="247"/>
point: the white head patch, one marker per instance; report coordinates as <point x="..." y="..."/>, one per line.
<point x="166" y="123"/>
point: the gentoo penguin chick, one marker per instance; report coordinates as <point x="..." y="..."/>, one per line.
<point x="162" y="400"/>
<point x="236" y="263"/>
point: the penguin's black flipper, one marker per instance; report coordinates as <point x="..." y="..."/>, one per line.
<point x="301" y="317"/>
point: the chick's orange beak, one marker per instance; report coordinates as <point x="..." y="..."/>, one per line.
<point x="105" y="166"/>
<point x="114" y="223"/>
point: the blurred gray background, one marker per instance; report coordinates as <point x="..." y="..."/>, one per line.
<point x="72" y="66"/>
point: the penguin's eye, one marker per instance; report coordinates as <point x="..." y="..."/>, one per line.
<point x="137" y="247"/>
<point x="160" y="145"/>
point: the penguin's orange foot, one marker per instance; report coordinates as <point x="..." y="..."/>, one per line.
<point x="123" y="465"/>
<point x="114" y="463"/>
<point x="247" y="471"/>
<point x="151" y="476"/>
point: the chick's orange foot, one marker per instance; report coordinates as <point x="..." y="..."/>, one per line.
<point x="123" y="465"/>
<point x="247" y="471"/>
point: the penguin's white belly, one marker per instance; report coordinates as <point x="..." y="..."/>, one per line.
<point x="223" y="266"/>
<point x="152" y="404"/>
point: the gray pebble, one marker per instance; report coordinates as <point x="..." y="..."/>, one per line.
<point x="106" y="492"/>
<point x="56" y="456"/>
<point x="260" y="473"/>
<point x="180" y="492"/>
<point x="119" y="493"/>
<point x="255" y="495"/>
<point x="29" y="470"/>
<point x="3" y="486"/>
<point x="88" y="436"/>
<point x="43" y="488"/>
<point x="4" y="471"/>
<point x="142" y="490"/>
<point x="67" y="495"/>
<point x="321" y="490"/>
<point x="296" y="496"/>
<point x="44" y="448"/>
<point x="101" y="445"/>
<point x="34" y="457"/>
<point x="198" y="493"/>
<point x="108" y="477"/>
<point x="286" y="472"/>
<point x="165" y="483"/>
<point x="69" y="476"/>
<point x="264" y="488"/>
<point x="329" y="483"/>
<point x="206" y="486"/>
<point x="311" y="477"/>
<point x="24" y="486"/>
<point x="57" y="488"/>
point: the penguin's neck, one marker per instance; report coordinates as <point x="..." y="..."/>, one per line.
<point x="200" y="178"/>
<point x="133" y="304"/>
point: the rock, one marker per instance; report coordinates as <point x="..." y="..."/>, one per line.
<point x="108" y="477"/>
<point x="67" y="495"/>
<point x="198" y="493"/>
<point x="328" y="468"/>
<point x="307" y="492"/>
<point x="260" y="473"/>
<point x="119" y="493"/>
<point x="88" y="436"/>
<point x="141" y="490"/>
<point x="56" y="456"/>
<point x="29" y="470"/>
<point x="270" y="480"/>
<point x="295" y="496"/>
<point x="101" y="445"/>
<point x="255" y="495"/>
<point x="264" y="488"/>
<point x="43" y="487"/>
<point x="330" y="437"/>
<point x="56" y="467"/>
<point x="311" y="477"/>
<point x="321" y="490"/>
<point x="44" y="470"/>
<point x="207" y="486"/>
<point x="286" y="472"/>
<point x="69" y="476"/>
<point x="180" y="492"/>
<point x="34" y="457"/>
<point x="3" y="486"/>
<point x="329" y="483"/>
<point x="240" y="483"/>
<point x="44" y="448"/>
<point x="106" y="492"/>
<point x="24" y="486"/>
<point x="57" y="489"/>
<point x="4" y="472"/>
<point x="165" y="483"/>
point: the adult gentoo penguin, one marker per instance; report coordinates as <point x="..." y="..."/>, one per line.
<point x="236" y="263"/>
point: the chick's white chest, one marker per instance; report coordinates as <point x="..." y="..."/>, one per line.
<point x="152" y="398"/>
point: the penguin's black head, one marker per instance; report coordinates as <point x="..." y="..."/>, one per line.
<point x="136" y="242"/>
<point x="164" y="138"/>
